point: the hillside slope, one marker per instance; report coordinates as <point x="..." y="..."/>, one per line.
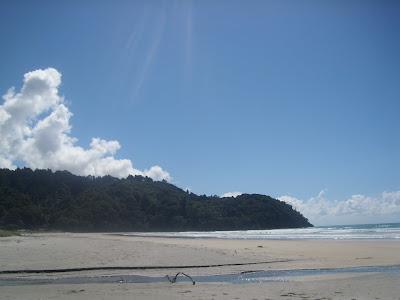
<point x="43" y="199"/>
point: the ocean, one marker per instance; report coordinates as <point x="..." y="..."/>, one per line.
<point x="387" y="231"/>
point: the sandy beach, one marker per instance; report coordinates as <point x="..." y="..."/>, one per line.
<point x="86" y="250"/>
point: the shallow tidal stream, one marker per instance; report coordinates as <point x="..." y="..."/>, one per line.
<point x="240" y="278"/>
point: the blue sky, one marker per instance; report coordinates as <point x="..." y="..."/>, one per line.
<point x="286" y="98"/>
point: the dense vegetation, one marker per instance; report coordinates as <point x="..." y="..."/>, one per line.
<point x="42" y="199"/>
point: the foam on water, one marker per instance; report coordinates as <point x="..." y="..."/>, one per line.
<point x="365" y="231"/>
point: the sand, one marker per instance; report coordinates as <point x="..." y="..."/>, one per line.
<point x="71" y="250"/>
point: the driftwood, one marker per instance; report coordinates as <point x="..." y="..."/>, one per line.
<point x="174" y="278"/>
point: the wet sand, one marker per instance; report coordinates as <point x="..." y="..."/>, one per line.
<point x="71" y="250"/>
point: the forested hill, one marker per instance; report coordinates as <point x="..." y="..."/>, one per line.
<point x="42" y="199"/>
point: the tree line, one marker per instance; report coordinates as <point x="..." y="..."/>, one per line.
<point x="42" y="199"/>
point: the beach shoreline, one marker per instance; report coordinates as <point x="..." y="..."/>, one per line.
<point x="233" y="256"/>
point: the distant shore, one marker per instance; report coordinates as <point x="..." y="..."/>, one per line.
<point x="96" y="250"/>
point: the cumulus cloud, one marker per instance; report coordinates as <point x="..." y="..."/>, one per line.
<point x="231" y="194"/>
<point x="35" y="129"/>
<point x="357" y="208"/>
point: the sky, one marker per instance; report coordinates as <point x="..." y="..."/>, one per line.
<point x="294" y="99"/>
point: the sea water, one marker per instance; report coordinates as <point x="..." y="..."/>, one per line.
<point x="387" y="231"/>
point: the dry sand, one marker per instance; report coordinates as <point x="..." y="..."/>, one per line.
<point x="71" y="250"/>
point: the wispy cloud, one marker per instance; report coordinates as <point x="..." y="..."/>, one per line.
<point x="355" y="209"/>
<point x="35" y="129"/>
<point x="160" y="22"/>
<point x="188" y="11"/>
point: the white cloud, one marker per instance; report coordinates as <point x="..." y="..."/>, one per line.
<point x="231" y="194"/>
<point x="356" y="209"/>
<point x="157" y="173"/>
<point x="35" y="129"/>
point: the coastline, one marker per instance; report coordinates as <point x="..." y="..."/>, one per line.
<point x="72" y="250"/>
